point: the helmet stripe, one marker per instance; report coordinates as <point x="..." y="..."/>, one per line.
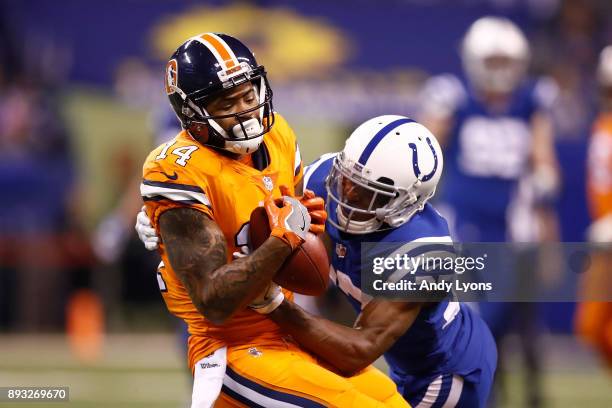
<point x="224" y="54"/>
<point x="221" y="41"/>
<point x="378" y="137"/>
<point x="212" y="49"/>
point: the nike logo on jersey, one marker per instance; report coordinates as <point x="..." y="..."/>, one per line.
<point x="174" y="176"/>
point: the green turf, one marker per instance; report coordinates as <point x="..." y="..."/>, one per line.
<point x="147" y="370"/>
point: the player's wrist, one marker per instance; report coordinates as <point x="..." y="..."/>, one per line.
<point x="282" y="309"/>
<point x="290" y="238"/>
<point x="279" y="243"/>
<point x="273" y="298"/>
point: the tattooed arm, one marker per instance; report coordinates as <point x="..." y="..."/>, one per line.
<point x="197" y="252"/>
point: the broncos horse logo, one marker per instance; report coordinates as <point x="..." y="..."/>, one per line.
<point x="171" y="77"/>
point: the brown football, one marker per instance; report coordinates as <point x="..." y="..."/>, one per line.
<point x="306" y="271"/>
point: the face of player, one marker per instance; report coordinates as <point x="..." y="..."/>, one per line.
<point x="498" y="62"/>
<point x="502" y="74"/>
<point x="362" y="198"/>
<point x="238" y="99"/>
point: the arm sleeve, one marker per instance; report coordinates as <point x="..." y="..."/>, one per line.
<point x="290" y="145"/>
<point x="166" y="186"/>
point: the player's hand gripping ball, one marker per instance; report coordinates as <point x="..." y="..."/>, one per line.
<point x="306" y="270"/>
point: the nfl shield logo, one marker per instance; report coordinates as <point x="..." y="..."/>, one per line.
<point x="268" y="183"/>
<point x="340" y="250"/>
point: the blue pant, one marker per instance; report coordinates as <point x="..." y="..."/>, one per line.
<point x="449" y="390"/>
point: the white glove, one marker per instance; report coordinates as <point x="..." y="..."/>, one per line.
<point x="146" y="233"/>
<point x="268" y="300"/>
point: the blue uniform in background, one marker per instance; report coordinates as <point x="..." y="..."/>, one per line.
<point x="486" y="160"/>
<point x="448" y="355"/>
<point x="487" y="153"/>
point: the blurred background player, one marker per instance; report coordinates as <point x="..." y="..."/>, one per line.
<point x="199" y="190"/>
<point x="43" y="253"/>
<point x="42" y="216"/>
<point x="502" y="177"/>
<point x="594" y="319"/>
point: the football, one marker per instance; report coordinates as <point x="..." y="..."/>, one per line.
<point x="306" y="271"/>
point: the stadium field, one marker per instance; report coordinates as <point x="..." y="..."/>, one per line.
<point x="147" y="370"/>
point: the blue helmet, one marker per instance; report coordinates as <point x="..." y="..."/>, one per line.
<point x="203" y="67"/>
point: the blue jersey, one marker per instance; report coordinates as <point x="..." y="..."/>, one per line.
<point x="488" y="150"/>
<point x="446" y="336"/>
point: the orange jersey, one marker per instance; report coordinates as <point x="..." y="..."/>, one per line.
<point x="600" y="167"/>
<point x="185" y="173"/>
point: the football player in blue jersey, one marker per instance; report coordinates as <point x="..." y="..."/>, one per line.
<point x="495" y="131"/>
<point x="377" y="190"/>
<point x="498" y="142"/>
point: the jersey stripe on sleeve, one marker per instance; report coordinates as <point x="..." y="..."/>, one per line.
<point x="182" y="193"/>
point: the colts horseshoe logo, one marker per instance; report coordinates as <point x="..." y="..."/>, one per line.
<point x="415" y="162"/>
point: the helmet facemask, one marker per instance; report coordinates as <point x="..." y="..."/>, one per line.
<point x="246" y="136"/>
<point x="363" y="205"/>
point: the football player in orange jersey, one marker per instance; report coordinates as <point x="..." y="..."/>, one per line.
<point x="594" y="316"/>
<point x="199" y="191"/>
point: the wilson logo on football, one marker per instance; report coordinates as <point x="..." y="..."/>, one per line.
<point x="171" y="77"/>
